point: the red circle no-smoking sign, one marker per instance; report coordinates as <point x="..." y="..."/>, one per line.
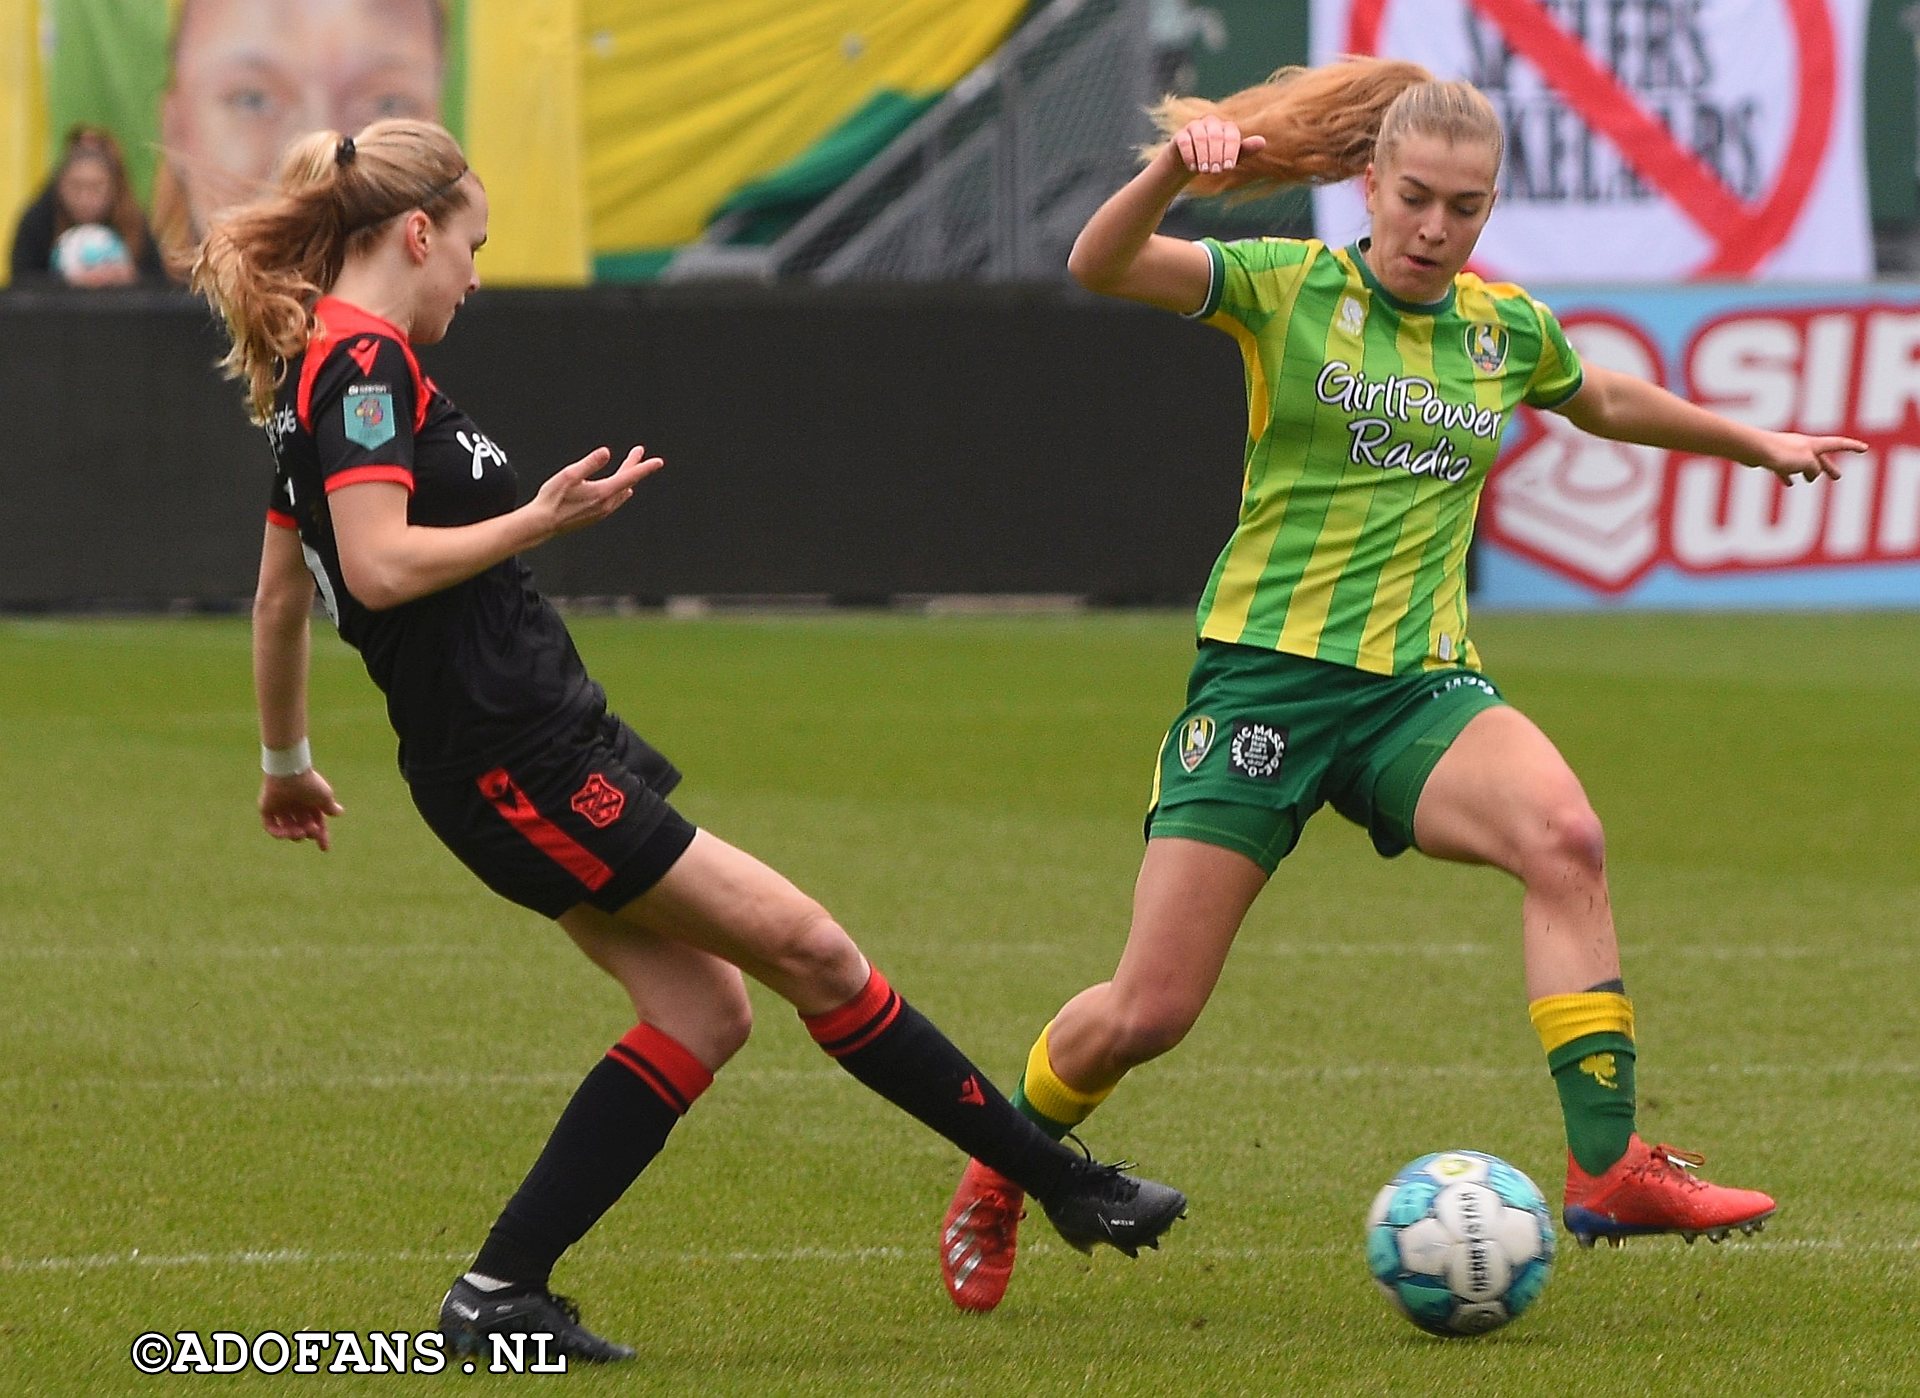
<point x="1739" y="233"/>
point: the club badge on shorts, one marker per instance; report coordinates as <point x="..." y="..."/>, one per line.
<point x="1257" y="750"/>
<point x="1196" y="740"/>
<point x="600" y="801"/>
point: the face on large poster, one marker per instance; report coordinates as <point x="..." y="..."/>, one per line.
<point x="248" y="77"/>
<point x="205" y="95"/>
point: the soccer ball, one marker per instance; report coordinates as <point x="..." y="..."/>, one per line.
<point x="1460" y="1242"/>
<point x="87" y="246"/>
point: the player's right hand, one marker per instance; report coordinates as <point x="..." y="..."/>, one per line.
<point x="297" y="808"/>
<point x="575" y="499"/>
<point x="1211" y="145"/>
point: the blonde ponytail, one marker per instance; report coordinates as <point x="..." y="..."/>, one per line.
<point x="1323" y="125"/>
<point x="263" y="265"/>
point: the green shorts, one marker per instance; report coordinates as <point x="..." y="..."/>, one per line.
<point x="1268" y="738"/>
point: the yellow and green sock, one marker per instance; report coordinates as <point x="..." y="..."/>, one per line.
<point x="1048" y="1101"/>
<point x="1589" y="1042"/>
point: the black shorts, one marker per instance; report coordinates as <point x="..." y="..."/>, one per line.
<point x="583" y="820"/>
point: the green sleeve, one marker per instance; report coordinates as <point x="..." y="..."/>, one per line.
<point x="1556" y="375"/>
<point x="1242" y="282"/>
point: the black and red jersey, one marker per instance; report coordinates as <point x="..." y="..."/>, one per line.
<point x="473" y="674"/>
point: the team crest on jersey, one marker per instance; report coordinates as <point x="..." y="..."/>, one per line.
<point x="1196" y="740"/>
<point x="1352" y="317"/>
<point x="1487" y="346"/>
<point x="1257" y="750"/>
<point x="368" y="410"/>
<point x="600" y="801"/>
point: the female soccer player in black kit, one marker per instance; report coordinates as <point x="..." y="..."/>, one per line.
<point x="400" y="510"/>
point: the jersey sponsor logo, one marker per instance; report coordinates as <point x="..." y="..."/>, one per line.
<point x="281" y="426"/>
<point x="1257" y="750"/>
<point x="1196" y="740"/>
<point x="363" y="352"/>
<point x="599" y="801"/>
<point x="1378" y="408"/>
<point x="483" y="449"/>
<point x="1487" y="347"/>
<point x="368" y="414"/>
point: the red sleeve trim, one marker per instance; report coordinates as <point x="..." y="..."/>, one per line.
<point x="360" y="475"/>
<point x="336" y="321"/>
<point x="279" y="519"/>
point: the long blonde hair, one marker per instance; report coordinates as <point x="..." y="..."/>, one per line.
<point x="1325" y="124"/>
<point x="263" y="265"/>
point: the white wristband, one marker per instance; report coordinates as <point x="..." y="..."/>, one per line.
<point x="286" y="762"/>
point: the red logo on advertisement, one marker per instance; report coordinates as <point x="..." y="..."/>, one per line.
<point x="1605" y="514"/>
<point x="1741" y="234"/>
<point x="600" y="801"/>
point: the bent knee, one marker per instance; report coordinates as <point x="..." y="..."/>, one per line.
<point x="1143" y="1030"/>
<point x="712" y="1024"/>
<point x="731" y="1021"/>
<point x="808" y="947"/>
<point x="1565" y="837"/>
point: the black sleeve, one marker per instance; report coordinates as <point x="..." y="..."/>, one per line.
<point x="362" y="412"/>
<point x="149" y="264"/>
<point x="33" y="241"/>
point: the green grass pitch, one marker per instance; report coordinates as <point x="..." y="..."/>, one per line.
<point x="247" y="1087"/>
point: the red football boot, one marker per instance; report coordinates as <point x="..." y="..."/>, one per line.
<point x="1652" y="1189"/>
<point x="977" y="1237"/>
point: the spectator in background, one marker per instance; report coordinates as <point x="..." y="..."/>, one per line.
<point x="85" y="229"/>
<point x="249" y="76"/>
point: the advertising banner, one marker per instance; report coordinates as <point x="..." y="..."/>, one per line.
<point x="1671" y="140"/>
<point x="1570" y="521"/>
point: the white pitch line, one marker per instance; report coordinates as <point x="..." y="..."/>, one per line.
<point x="301" y="1257"/>
<point x="1297" y="1072"/>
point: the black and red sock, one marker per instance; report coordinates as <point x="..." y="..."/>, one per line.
<point x="898" y="1052"/>
<point x="616" y="1123"/>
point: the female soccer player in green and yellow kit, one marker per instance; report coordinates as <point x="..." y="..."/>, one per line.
<point x="1334" y="662"/>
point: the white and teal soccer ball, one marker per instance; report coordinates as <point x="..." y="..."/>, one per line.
<point x="1460" y="1242"/>
<point x="88" y="246"/>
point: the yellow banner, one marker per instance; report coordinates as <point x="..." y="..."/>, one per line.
<point x="683" y="104"/>
<point x="523" y="136"/>
<point x="23" y="115"/>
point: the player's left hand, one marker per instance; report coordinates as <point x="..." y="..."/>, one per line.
<point x="297" y="808"/>
<point x="1792" y="456"/>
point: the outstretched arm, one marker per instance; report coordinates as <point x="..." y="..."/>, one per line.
<point x="388" y="561"/>
<point x="1623" y="408"/>
<point x="1119" y="254"/>
<point x="295" y="800"/>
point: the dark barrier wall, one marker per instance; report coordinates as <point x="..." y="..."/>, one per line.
<point x="857" y="445"/>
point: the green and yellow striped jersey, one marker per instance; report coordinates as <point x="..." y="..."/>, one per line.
<point x="1371" y="426"/>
